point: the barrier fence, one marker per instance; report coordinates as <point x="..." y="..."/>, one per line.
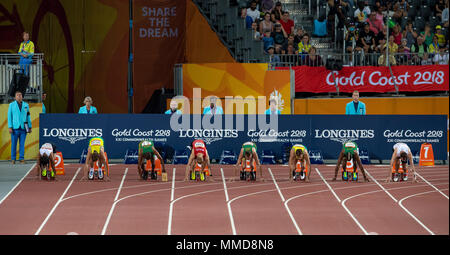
<point x="324" y="134"/>
<point x="9" y="63"/>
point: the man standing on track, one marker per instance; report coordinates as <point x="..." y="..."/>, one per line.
<point x="299" y="155"/>
<point x="401" y="154"/>
<point x="349" y="151"/>
<point x="147" y="151"/>
<point x="248" y="152"/>
<point x="199" y="155"/>
<point x="96" y="152"/>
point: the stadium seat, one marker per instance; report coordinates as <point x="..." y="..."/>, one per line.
<point x="425" y="12"/>
<point x="181" y="156"/>
<point x="419" y="24"/>
<point x="228" y="158"/>
<point x="412" y="13"/>
<point x="404" y="21"/>
<point x="131" y="156"/>
<point x="268" y="157"/>
<point x="434" y="21"/>
<point x="364" y="156"/>
<point x="315" y="156"/>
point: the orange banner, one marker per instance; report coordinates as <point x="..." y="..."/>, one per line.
<point x="158" y="43"/>
<point x="248" y="81"/>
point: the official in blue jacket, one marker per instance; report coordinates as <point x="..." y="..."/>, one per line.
<point x="19" y="124"/>
<point x="355" y="107"/>
<point x="88" y="108"/>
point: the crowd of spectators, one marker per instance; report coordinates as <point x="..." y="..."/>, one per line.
<point x="282" y="40"/>
<point x="366" y="26"/>
<point x="408" y="42"/>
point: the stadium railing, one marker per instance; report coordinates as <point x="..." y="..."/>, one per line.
<point x="9" y="63"/>
<point x="348" y="59"/>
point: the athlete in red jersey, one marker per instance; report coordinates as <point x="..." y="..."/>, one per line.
<point x="199" y="155"/>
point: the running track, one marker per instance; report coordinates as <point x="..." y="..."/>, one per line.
<point x="127" y="205"/>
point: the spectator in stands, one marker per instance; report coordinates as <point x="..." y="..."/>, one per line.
<point x="273" y="107"/>
<point x="267" y="6"/>
<point x="255" y="33"/>
<point x="290" y="41"/>
<point x="88" y="108"/>
<point x="439" y="8"/>
<point x="374" y="25"/>
<point x="389" y="10"/>
<point x="397" y="35"/>
<point x="299" y="35"/>
<point x="44" y="96"/>
<point x="355" y="107"/>
<point x="393" y="47"/>
<point x="26" y="52"/>
<point x="304" y="45"/>
<point x="419" y="49"/>
<point x="426" y="60"/>
<point x="433" y="48"/>
<point x="351" y="37"/>
<point x="381" y="5"/>
<point x="279" y="35"/>
<point x="362" y="13"/>
<point x="213" y="108"/>
<point x="253" y="12"/>
<point x="273" y="18"/>
<point x="445" y="15"/>
<point x="382" y="59"/>
<point x="398" y="13"/>
<point x="380" y="40"/>
<point x="428" y="35"/>
<point x="173" y="108"/>
<point x="441" y="58"/>
<point x="287" y="23"/>
<point x="440" y="36"/>
<point x="403" y="53"/>
<point x="19" y="124"/>
<point x="267" y="41"/>
<point x="312" y="59"/>
<point x="278" y="11"/>
<point x="335" y="9"/>
<point x="274" y="59"/>
<point x="266" y="24"/>
<point x="366" y="39"/>
<point x="409" y="34"/>
<point x="379" y="15"/>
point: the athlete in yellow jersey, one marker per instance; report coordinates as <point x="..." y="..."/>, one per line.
<point x="96" y="151"/>
<point x="299" y="154"/>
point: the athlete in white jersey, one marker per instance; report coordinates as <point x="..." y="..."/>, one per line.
<point x="45" y="160"/>
<point x="401" y="154"/>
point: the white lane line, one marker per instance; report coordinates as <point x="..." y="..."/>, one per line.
<point x="286" y="207"/>
<point x="343" y="204"/>
<point x="169" y="225"/>
<point x="172" y="193"/>
<point x="399" y="203"/>
<point x="276" y="185"/>
<point x="227" y="198"/>
<point x="121" y="184"/>
<point x="57" y="203"/>
<point x="105" y="226"/>
<point x="328" y="185"/>
<point x="412" y="215"/>
<point x="224" y="185"/>
<point x="17" y="184"/>
<point x="387" y="192"/>
<point x="432" y="185"/>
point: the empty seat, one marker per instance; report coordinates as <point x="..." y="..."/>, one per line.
<point x="412" y="13"/>
<point x="425" y="12"/>
<point x="419" y="24"/>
